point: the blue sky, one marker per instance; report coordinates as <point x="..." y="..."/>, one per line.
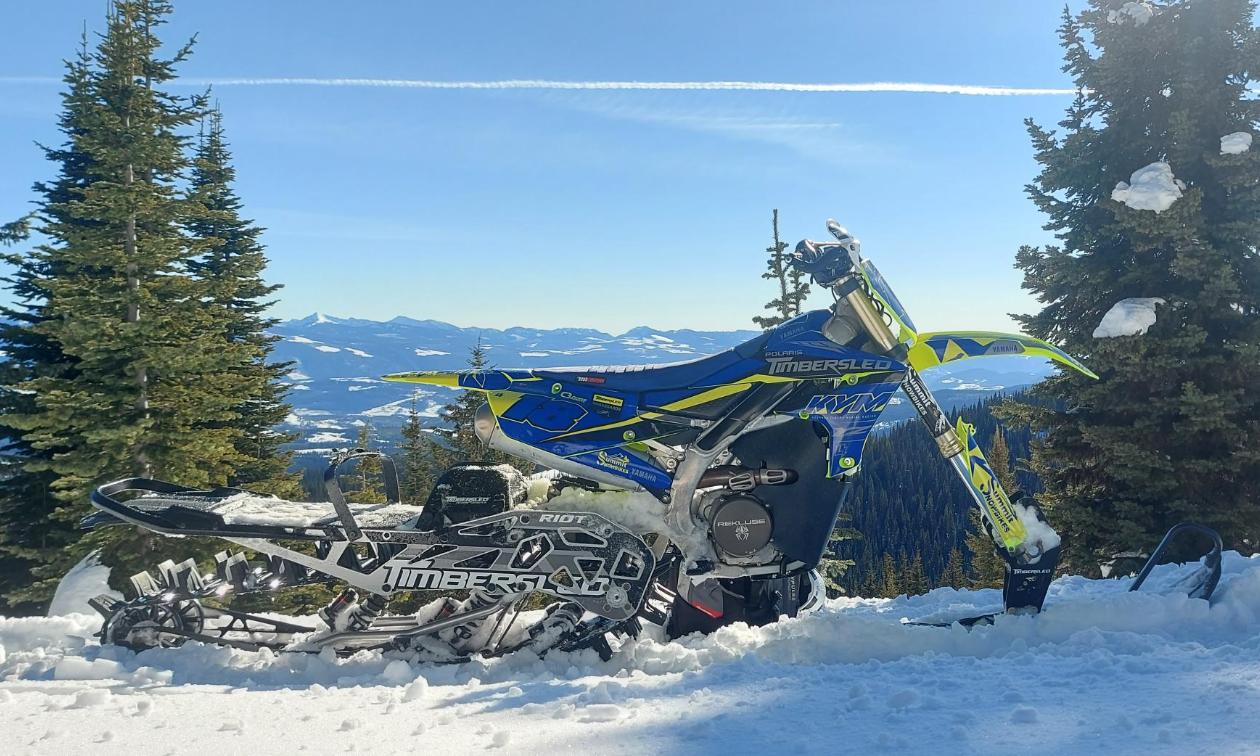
<point x="599" y="208"/>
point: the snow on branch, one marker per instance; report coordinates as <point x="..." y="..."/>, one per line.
<point x="1238" y="142"/>
<point x="1140" y="12"/>
<point x="1128" y="317"/>
<point x="1149" y="188"/>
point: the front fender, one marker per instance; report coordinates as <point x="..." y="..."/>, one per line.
<point x="931" y="350"/>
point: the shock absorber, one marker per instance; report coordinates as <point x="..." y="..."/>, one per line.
<point x="344" y="601"/>
<point x="362" y="615"/>
<point x="561" y="619"/>
<point x="479" y="598"/>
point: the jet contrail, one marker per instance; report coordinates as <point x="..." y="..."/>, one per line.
<point x="659" y="86"/>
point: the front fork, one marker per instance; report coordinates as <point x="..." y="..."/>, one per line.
<point x="1030" y="558"/>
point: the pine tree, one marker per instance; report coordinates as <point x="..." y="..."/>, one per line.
<point x="418" y="459"/>
<point x="119" y="342"/>
<point x="953" y="576"/>
<point x="363" y="483"/>
<point x="1171" y="432"/>
<point x="914" y="582"/>
<point x="833" y="567"/>
<point x="988" y="570"/>
<point x="890" y="586"/>
<point x="231" y="269"/>
<point x="460" y="437"/>
<point x="792" y="286"/>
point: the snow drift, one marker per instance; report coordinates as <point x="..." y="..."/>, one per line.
<point x="1100" y="671"/>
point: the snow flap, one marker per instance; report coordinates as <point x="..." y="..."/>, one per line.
<point x="87" y="579"/>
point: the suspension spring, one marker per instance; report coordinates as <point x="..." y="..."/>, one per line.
<point x="361" y="616"/>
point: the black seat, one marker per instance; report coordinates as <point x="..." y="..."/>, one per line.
<point x="701" y="371"/>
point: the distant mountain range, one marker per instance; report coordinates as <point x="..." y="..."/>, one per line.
<point x="338" y="363"/>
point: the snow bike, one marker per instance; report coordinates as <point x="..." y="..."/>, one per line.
<point x="728" y="472"/>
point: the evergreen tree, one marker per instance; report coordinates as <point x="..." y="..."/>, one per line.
<point x="953" y="576"/>
<point x="914" y="582"/>
<point x="792" y="285"/>
<point x="364" y="484"/>
<point x="118" y="344"/>
<point x="417" y="456"/>
<point x="988" y="570"/>
<point x="231" y="269"/>
<point x="1171" y="432"/>
<point x="460" y="438"/>
<point x="833" y="567"/>
<point x="890" y="586"/>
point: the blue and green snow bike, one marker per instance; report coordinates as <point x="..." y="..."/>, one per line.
<point x="690" y="495"/>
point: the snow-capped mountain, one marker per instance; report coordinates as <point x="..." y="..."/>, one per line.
<point x="338" y="363"/>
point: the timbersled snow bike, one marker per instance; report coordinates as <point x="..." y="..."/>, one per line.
<point x="728" y="472"/>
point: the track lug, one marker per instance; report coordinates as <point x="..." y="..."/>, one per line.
<point x="183" y="576"/>
<point x="144" y="584"/>
<point x="233" y="569"/>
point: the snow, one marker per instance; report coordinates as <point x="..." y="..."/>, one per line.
<point x="1150" y="188"/>
<point x="1039" y="532"/>
<point x="327" y="438"/>
<point x="393" y="409"/>
<point x="1101" y="671"/>
<point x="1139" y="12"/>
<point x="1236" y="143"/>
<point x="254" y="509"/>
<point x="1128" y="317"/>
<point x="87" y="579"/>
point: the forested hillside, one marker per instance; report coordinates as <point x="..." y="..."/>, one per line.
<point x="908" y="501"/>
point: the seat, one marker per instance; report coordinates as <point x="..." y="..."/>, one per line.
<point x="708" y="370"/>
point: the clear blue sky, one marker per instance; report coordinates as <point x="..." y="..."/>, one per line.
<point x="599" y="208"/>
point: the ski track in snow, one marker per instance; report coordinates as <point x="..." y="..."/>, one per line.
<point x="1100" y="671"/>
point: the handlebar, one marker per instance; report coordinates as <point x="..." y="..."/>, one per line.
<point x="827" y="262"/>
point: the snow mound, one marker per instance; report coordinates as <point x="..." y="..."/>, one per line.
<point x="1101" y="671"/>
<point x="1128" y="317"/>
<point x="1236" y="143"/>
<point x="1139" y="12"/>
<point x="1149" y="188"/>
<point x="87" y="579"/>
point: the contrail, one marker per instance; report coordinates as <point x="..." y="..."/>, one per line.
<point x="658" y="86"/>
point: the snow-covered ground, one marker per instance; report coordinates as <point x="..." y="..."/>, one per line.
<point x="1100" y="671"/>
